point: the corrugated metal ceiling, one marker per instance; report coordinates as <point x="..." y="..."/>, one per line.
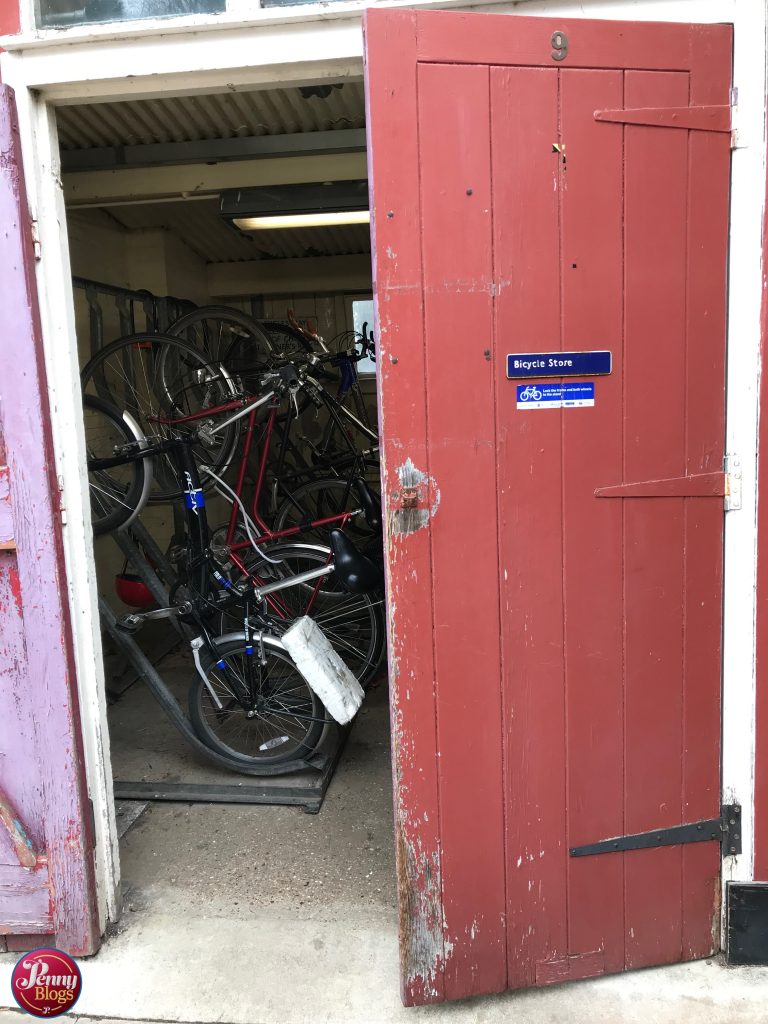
<point x="199" y="224"/>
<point x="215" y="116"/>
<point x="221" y="116"/>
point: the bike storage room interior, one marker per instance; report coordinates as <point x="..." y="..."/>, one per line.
<point x="226" y="236"/>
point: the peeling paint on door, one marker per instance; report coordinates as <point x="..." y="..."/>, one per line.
<point x="415" y="503"/>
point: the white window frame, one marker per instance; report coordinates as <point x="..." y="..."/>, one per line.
<point x="349" y="299"/>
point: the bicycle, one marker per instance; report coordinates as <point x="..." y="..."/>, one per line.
<point x="248" y="701"/>
<point x="347" y="446"/>
<point x="162" y="380"/>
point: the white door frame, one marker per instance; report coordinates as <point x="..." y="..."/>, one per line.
<point x="281" y="48"/>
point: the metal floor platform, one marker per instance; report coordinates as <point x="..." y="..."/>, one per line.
<point x="151" y="760"/>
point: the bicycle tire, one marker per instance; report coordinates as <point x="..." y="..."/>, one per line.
<point x="353" y="623"/>
<point x="284" y="343"/>
<point x="115" y="493"/>
<point x="158" y="375"/>
<point x="319" y="499"/>
<point x="294" y="735"/>
<point x="286" y="339"/>
<point x="218" y="330"/>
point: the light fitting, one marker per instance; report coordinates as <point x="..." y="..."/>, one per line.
<point x="330" y="218"/>
<point x="313" y="204"/>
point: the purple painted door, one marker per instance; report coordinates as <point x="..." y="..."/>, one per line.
<point x="47" y="883"/>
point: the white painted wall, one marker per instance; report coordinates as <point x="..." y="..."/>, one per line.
<point x="289" y="46"/>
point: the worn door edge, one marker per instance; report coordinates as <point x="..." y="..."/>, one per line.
<point x="39" y="144"/>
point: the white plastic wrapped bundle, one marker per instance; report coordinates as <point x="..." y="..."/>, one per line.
<point x="323" y="669"/>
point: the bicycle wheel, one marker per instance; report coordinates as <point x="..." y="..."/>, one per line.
<point x="115" y="492"/>
<point x="229" y="336"/>
<point x="282" y="719"/>
<point x="161" y="380"/>
<point x="286" y="340"/>
<point x="353" y="623"/>
<point x="320" y="499"/>
<point x="285" y="343"/>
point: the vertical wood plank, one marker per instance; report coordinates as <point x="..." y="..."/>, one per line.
<point x="708" y="210"/>
<point x="592" y="282"/>
<point x="455" y="153"/>
<point x="526" y="254"/>
<point x="18" y="735"/>
<point x="393" y="167"/>
<point x="656" y="186"/>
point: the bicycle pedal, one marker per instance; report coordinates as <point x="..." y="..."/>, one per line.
<point x="130" y="623"/>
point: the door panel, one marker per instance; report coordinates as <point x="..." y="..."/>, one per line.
<point x="24" y="893"/>
<point x="528" y="305"/>
<point x="562" y="647"/>
<point x="458" y="304"/>
<point x="47" y="881"/>
<point x="654" y="448"/>
<point x="592" y="272"/>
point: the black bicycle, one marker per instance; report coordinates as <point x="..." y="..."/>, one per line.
<point x="248" y="701"/>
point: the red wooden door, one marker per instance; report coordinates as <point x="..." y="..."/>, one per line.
<point x="555" y="652"/>
<point x="46" y="846"/>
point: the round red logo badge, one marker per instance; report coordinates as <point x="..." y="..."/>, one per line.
<point x="46" y="982"/>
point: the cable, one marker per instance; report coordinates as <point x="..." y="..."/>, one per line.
<point x="248" y="522"/>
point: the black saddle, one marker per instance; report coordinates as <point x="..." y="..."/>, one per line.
<point x="357" y="573"/>
<point x="369" y="503"/>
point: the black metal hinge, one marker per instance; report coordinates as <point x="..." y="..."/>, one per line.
<point x="726" y="830"/>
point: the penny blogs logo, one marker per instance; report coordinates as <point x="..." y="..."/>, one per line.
<point x="46" y="982"/>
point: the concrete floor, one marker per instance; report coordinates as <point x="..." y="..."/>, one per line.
<point x="238" y="862"/>
<point x="267" y="915"/>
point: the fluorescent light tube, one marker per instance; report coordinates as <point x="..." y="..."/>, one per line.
<point x="321" y="219"/>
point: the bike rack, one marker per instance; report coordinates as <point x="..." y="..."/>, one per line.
<point x="127" y="307"/>
<point x="296" y="783"/>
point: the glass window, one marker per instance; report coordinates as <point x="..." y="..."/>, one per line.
<point x="61" y="13"/>
<point x="362" y="316"/>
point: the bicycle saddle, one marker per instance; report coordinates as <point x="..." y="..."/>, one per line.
<point x="370" y="504"/>
<point x="357" y="573"/>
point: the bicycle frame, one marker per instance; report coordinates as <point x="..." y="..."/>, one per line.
<point x="249" y="407"/>
<point x="209" y="588"/>
<point x="198" y="531"/>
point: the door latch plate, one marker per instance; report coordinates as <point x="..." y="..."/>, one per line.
<point x="732" y="482"/>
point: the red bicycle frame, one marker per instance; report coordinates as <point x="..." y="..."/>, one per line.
<point x="267" y="534"/>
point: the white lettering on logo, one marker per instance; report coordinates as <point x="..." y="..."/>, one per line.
<point x="38" y="971"/>
<point x="191" y="491"/>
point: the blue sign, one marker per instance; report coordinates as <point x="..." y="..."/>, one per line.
<point x="555" y="396"/>
<point x="558" y="364"/>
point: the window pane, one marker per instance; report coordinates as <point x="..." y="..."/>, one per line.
<point x="362" y="316"/>
<point x="60" y="13"/>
